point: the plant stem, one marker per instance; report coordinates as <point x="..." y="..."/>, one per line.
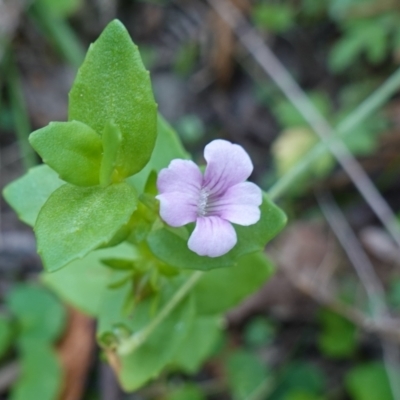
<point x="60" y="34"/>
<point x="19" y="114"/>
<point x="137" y="339"/>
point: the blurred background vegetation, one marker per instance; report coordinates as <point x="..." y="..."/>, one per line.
<point x="314" y="331"/>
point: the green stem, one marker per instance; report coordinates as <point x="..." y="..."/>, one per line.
<point x="59" y="33"/>
<point x="19" y="114"/>
<point x="363" y="111"/>
<point x="137" y="339"/>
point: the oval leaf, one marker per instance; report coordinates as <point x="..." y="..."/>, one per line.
<point x="221" y="289"/>
<point x="112" y="84"/>
<point x="173" y="250"/>
<point x="39" y="313"/>
<point x="72" y="149"/>
<point x="41" y="375"/>
<point x="27" y="194"/>
<point x="75" y="221"/>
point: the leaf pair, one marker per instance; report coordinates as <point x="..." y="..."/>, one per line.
<point x="112" y="124"/>
<point x="77" y="153"/>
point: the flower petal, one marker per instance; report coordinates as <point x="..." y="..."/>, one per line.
<point x="212" y="237"/>
<point x="178" y="209"/>
<point x="239" y="204"/>
<point x="227" y="165"/>
<point x="181" y="176"/>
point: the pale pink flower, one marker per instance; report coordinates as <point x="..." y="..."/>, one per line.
<point x="214" y="200"/>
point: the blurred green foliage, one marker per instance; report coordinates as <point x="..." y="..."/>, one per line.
<point x="259" y="332"/>
<point x="245" y="374"/>
<point x="338" y="337"/>
<point x="36" y="318"/>
<point x="369" y="382"/>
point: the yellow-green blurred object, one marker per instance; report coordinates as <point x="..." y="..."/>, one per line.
<point x="292" y="145"/>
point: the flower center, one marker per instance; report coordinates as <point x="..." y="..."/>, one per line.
<point x="202" y="204"/>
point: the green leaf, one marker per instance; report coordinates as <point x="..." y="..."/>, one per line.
<point x="205" y="333"/>
<point x="83" y="283"/>
<point x="39" y="313"/>
<point x="259" y="332"/>
<point x="300" y="377"/>
<point x="41" y="372"/>
<point x="245" y="373"/>
<point x="112" y="139"/>
<point x="167" y="148"/>
<point x="118" y="264"/>
<point x="72" y="149"/>
<point x="274" y="17"/>
<point x="113" y="85"/>
<point x="148" y="360"/>
<point x="345" y="52"/>
<point x="27" y="194"/>
<point x="368" y="382"/>
<point x="75" y="221"/>
<point x="6" y="334"/>
<point x="173" y="250"/>
<point x="302" y="395"/>
<point x="221" y="289"/>
<point x="338" y="338"/>
<point x="189" y="391"/>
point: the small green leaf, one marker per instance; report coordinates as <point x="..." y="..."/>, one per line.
<point x="188" y="391"/>
<point x="173" y="249"/>
<point x="302" y="395"/>
<point x="27" y="194"/>
<point x="205" y="333"/>
<point x="75" y="221"/>
<point x="6" y="334"/>
<point x="259" y="332"/>
<point x="300" y="377"/>
<point x="245" y="373"/>
<point x="41" y="372"/>
<point x="39" y="313"/>
<point x="338" y="338"/>
<point x="83" y="283"/>
<point x="118" y="264"/>
<point x="72" y="149"/>
<point x="112" y="139"/>
<point x="112" y="84"/>
<point x="369" y="382"/>
<point x="221" y="289"/>
<point x="345" y="52"/>
<point x="151" y="184"/>
<point x="273" y="17"/>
